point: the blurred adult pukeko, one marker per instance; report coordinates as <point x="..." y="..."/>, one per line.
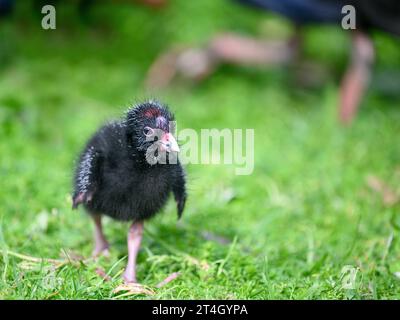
<point x="120" y="174"/>
<point x="380" y="14"/>
<point x="303" y="11"/>
<point x="231" y="48"/>
<point x="6" y="7"/>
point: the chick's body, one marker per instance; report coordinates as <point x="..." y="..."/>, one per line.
<point x="114" y="176"/>
<point x="123" y="188"/>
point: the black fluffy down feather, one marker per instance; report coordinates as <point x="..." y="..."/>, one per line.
<point x="113" y="177"/>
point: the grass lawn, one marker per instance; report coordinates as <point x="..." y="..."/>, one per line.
<point x="321" y="197"/>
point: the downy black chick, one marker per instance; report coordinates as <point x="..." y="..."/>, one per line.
<point x="127" y="171"/>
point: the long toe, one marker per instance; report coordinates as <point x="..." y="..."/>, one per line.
<point x="129" y="277"/>
<point x="101" y="251"/>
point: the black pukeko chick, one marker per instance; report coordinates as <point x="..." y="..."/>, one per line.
<point x="127" y="171"/>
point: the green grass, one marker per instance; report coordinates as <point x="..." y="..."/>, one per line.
<point x="293" y="225"/>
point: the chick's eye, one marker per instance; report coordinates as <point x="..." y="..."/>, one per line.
<point x="148" y="132"/>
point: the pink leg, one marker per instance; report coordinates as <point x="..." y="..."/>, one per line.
<point x="198" y="63"/>
<point x="241" y="50"/>
<point x="134" y="239"/>
<point x="101" y="244"/>
<point x="232" y="49"/>
<point x="357" y="77"/>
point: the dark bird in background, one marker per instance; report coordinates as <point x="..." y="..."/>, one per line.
<point x="383" y="15"/>
<point x="302" y="11"/>
<point x="127" y="171"/>
<point x="6" y="7"/>
<point x="84" y="8"/>
<point x="231" y="48"/>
